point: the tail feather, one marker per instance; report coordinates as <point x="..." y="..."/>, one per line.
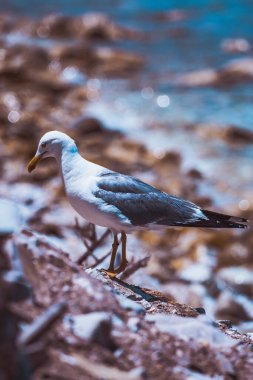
<point x="217" y="220"/>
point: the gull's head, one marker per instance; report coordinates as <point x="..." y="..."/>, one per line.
<point x="52" y="144"/>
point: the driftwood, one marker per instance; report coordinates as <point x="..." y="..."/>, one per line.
<point x="91" y="242"/>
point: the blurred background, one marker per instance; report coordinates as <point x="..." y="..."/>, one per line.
<point x="162" y="90"/>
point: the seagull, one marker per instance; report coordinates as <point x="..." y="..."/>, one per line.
<point x="121" y="202"/>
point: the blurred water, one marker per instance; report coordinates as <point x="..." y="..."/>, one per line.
<point x="190" y="40"/>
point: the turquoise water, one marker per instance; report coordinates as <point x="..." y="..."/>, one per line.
<point x="189" y="43"/>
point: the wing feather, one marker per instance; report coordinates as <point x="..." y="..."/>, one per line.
<point x="142" y="203"/>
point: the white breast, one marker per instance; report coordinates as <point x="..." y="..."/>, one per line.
<point x="80" y="183"/>
<point x="80" y="179"/>
<point x="97" y="212"/>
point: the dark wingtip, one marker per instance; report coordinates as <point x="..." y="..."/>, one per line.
<point x="226" y="221"/>
<point x="237" y="225"/>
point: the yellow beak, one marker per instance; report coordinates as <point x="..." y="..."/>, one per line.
<point x="34" y="161"/>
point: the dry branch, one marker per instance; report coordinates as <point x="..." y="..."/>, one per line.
<point x="133" y="267"/>
<point x="91" y="242"/>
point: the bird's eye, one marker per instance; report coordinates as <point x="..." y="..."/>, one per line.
<point x="43" y="144"/>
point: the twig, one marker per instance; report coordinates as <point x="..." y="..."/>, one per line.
<point x="42" y="323"/>
<point x="134" y="267"/>
<point x="99" y="261"/>
<point x="88" y="232"/>
<point x="93" y="246"/>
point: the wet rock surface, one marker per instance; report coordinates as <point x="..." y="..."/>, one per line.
<point x="70" y="320"/>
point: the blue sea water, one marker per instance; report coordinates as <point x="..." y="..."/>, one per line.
<point x="191" y="42"/>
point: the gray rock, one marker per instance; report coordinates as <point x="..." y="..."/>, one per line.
<point x="93" y="327"/>
<point x="234" y="307"/>
<point x="198" y="272"/>
<point x="189" y="294"/>
<point x="15" y="286"/>
<point x="238" y="278"/>
<point x="199" y="329"/>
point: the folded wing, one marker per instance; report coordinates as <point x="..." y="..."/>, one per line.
<point x="144" y="205"/>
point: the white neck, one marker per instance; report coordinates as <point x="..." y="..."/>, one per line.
<point x="68" y="162"/>
<point x="73" y="166"/>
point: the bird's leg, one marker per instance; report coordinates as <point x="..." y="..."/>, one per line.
<point x="124" y="261"/>
<point x="111" y="271"/>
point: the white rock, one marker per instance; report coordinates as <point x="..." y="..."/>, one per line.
<point x="190" y="328"/>
<point x="85" y="326"/>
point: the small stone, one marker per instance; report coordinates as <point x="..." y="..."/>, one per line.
<point x="200" y="310"/>
<point x="195" y="174"/>
<point x="190" y="328"/>
<point x="86" y="125"/>
<point x="225" y="322"/>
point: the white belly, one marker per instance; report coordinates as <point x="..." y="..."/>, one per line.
<point x="99" y="214"/>
<point x="80" y="192"/>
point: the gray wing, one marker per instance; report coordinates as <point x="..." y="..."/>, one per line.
<point x="143" y="204"/>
